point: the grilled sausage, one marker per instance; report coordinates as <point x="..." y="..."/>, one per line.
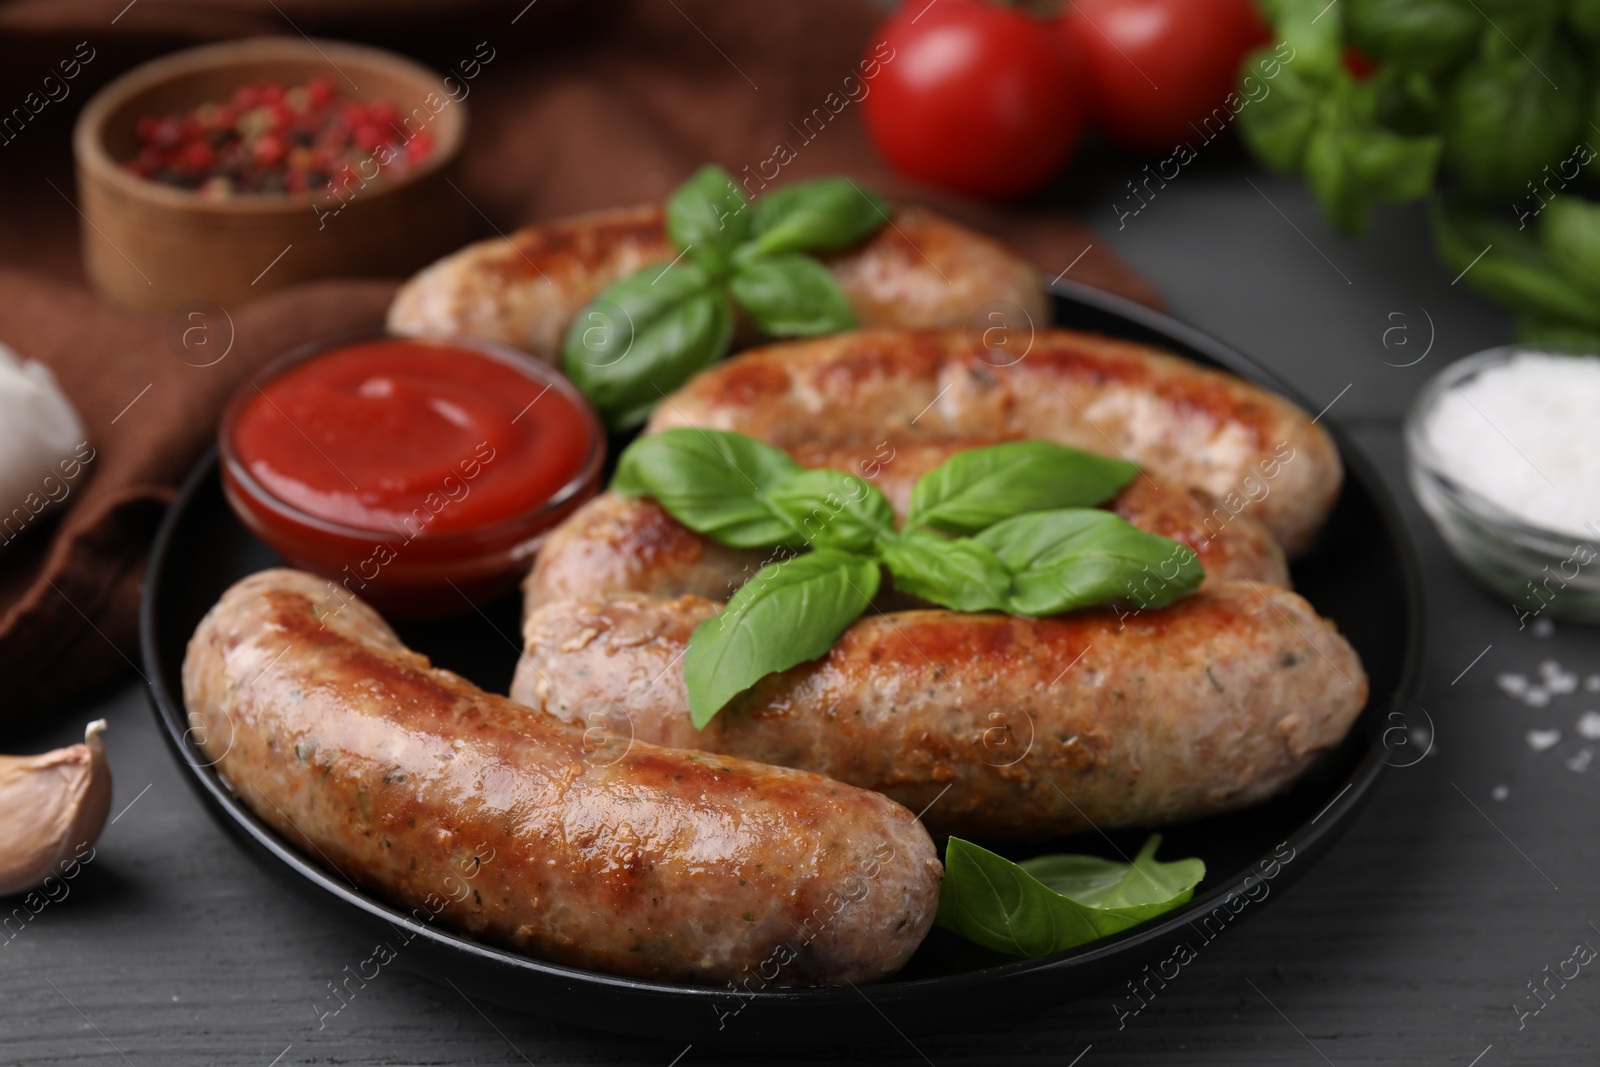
<point x="592" y="851"/>
<point x="1184" y="423"/>
<point x="523" y="290"/>
<point x="994" y="726"/>
<point x="617" y="545"/>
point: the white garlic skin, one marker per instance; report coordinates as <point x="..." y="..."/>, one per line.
<point x="39" y="431"/>
<point x="51" y="805"/>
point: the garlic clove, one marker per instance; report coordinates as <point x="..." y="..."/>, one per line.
<point x="51" y="805"/>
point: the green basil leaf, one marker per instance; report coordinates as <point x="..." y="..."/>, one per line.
<point x="1077" y="558"/>
<point x="832" y="509"/>
<point x="1585" y="18"/>
<point x="1426" y="35"/>
<point x="788" y="613"/>
<point x="962" y="575"/>
<point x="643" y="336"/>
<point x="1102" y="883"/>
<point x="1332" y="181"/>
<point x="706" y="217"/>
<point x="1393" y="169"/>
<point x="1351" y="162"/>
<point x="1509" y="266"/>
<point x="1569" y="229"/>
<point x="1558" y="336"/>
<point x="816" y="216"/>
<point x="712" y="481"/>
<point x="1311" y="28"/>
<point x="1518" y="22"/>
<point x="999" y="904"/>
<point x="1278" y="126"/>
<point x="1504" y="119"/>
<point x="973" y="490"/>
<point x="791" y="295"/>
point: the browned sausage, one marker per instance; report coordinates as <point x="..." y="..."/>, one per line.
<point x="523" y="290"/>
<point x="1243" y="446"/>
<point x="999" y="727"/>
<point x="618" y="545"/>
<point x="587" y="850"/>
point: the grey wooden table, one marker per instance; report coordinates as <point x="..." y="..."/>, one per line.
<point x="1470" y="874"/>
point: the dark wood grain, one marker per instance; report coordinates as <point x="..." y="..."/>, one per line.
<point x="1408" y="944"/>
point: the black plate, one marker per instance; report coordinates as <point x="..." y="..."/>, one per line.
<point x="1362" y="573"/>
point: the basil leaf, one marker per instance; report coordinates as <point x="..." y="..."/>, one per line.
<point x="1310" y="28"/>
<point x="1585" y="18"/>
<point x="643" y="336"/>
<point x="975" y="489"/>
<point x="712" y="481"/>
<point x="1001" y="905"/>
<point x="791" y="295"/>
<point x="788" y="613"/>
<point x="1101" y="883"/>
<point x="1552" y="334"/>
<point x="1077" y="558"/>
<point x="1426" y="35"/>
<point x="1510" y="266"/>
<point x="832" y="509"/>
<point x="1569" y="230"/>
<point x="1504" y="119"/>
<point x="1393" y="169"/>
<point x="816" y="216"/>
<point x="963" y="574"/>
<point x="1278" y="126"/>
<point x="1351" y="162"/>
<point x="706" y="217"/>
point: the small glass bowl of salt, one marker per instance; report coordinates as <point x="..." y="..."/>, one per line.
<point x="1503" y="453"/>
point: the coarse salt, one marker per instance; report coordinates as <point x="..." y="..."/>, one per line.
<point x="1526" y="435"/>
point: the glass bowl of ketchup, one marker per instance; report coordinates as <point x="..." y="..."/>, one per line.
<point x="418" y="475"/>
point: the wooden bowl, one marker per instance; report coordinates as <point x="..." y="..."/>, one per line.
<point x="151" y="246"/>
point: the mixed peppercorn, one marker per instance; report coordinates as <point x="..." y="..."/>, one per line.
<point x="269" y="138"/>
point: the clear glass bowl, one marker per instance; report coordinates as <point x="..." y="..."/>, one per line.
<point x="432" y="575"/>
<point x="1543" y="573"/>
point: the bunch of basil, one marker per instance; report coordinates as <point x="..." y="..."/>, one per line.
<point x="648" y="333"/>
<point x="1007" y="528"/>
<point x="1488" y="104"/>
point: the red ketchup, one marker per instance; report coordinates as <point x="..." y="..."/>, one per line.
<point x="418" y="475"/>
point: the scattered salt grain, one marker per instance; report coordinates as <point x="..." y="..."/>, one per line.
<point x="1536" y="698"/>
<point x="1539" y="740"/>
<point x="1592" y="683"/>
<point x="1515" y="432"/>
<point x="1589" y="725"/>
<point x="1543" y="628"/>
<point x="1563" y="683"/>
<point x="1515" y="685"/>
<point x="1580" y="762"/>
<point x="1500" y="792"/>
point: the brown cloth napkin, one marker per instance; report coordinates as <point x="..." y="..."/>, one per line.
<point x="581" y="106"/>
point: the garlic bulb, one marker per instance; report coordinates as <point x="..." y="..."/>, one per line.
<point x="42" y="443"/>
<point x="50" y="806"/>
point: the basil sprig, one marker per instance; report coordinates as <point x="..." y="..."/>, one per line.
<point x="1026" y="542"/>
<point x="648" y="333"/>
<point x="1051" y="903"/>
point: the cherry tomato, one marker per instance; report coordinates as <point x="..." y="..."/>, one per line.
<point x="1360" y="67"/>
<point x="973" y="96"/>
<point x="1156" y="66"/>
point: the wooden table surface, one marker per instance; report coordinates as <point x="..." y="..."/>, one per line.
<point x="1470" y="873"/>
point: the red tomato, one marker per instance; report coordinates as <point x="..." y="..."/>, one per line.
<point x="1156" y="66"/>
<point x="973" y="96"/>
<point x="1360" y="67"/>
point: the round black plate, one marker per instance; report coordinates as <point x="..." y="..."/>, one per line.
<point x="1362" y="573"/>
